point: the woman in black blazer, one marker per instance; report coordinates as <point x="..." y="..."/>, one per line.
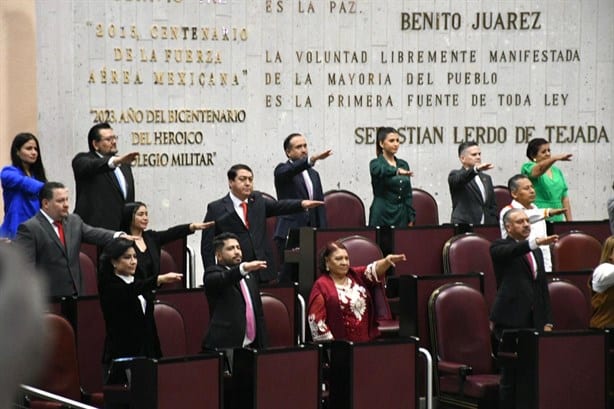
<point x="127" y="303"/>
<point x="148" y="245"/>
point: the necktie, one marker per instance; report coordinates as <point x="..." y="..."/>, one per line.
<point x="532" y="265"/>
<point x="250" y="322"/>
<point x="244" y="206"/>
<point x="58" y="224"/>
<point x="308" y="184"/>
<point x="121" y="180"/>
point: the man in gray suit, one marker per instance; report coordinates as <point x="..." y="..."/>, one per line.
<point x="51" y="241"/>
<point x="473" y="196"/>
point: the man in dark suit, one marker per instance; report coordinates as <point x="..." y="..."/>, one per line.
<point x="51" y="241"/>
<point x="473" y="196"/>
<point x="233" y="294"/>
<point x="243" y="212"/>
<point x="104" y="180"/>
<point x="297" y="179"/>
<point x="522" y="299"/>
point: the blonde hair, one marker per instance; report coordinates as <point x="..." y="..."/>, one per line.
<point x="606" y="251"/>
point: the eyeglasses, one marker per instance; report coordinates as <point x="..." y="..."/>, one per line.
<point x="110" y="138"/>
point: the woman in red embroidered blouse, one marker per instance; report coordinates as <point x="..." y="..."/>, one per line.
<point x="340" y="304"/>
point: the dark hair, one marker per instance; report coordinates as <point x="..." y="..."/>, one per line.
<point x="36" y="169"/>
<point x="220" y="239"/>
<point x="112" y="251"/>
<point x="289" y="139"/>
<point x="47" y="190"/>
<point x="232" y="172"/>
<point x="94" y="134"/>
<point x="512" y="183"/>
<point x="533" y="147"/>
<point x="463" y="146"/>
<point x="329" y="249"/>
<point x="509" y="213"/>
<point x="382" y="133"/>
<point x="128" y="213"/>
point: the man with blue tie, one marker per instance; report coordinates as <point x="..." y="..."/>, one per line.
<point x="297" y="179"/>
<point x="103" y="179"/>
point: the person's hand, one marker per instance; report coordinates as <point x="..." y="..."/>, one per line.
<point x="405" y="172"/>
<point x="393" y="259"/>
<point x="255" y="265"/>
<point x="554" y="212"/>
<point x="543" y="241"/>
<point x="125" y="159"/>
<point x="169" y="278"/>
<point x="129" y="236"/>
<point x="201" y="225"/>
<point x="484" y="166"/>
<point x="321" y="155"/>
<point x="309" y="204"/>
<point x="410" y="224"/>
<point x="548" y="328"/>
<point x="564" y="157"/>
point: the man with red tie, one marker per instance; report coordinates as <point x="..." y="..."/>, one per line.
<point x="522" y="299"/>
<point x="51" y="240"/>
<point x="243" y="212"/>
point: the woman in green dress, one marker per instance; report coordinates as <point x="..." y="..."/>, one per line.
<point x="548" y="181"/>
<point x="390" y="179"/>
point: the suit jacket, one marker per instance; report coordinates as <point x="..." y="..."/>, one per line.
<point x="129" y="331"/>
<point x="227" y="308"/>
<point x="100" y="200"/>
<point x="154" y="241"/>
<point x="521" y="301"/>
<point x="42" y="247"/>
<point x="254" y="241"/>
<point x="290" y="184"/>
<point x="468" y="206"/>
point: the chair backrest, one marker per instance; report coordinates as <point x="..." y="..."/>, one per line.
<point x="168" y="265"/>
<point x="503" y="197"/>
<point x="193" y="306"/>
<point x="425" y="205"/>
<point x="171" y="329"/>
<point x="361" y="250"/>
<point x="60" y="374"/>
<point x="344" y="209"/>
<point x="470" y="253"/>
<point x="460" y="331"/>
<point x="574" y="251"/>
<point x="279" y="322"/>
<point x="88" y="274"/>
<point x="569" y="308"/>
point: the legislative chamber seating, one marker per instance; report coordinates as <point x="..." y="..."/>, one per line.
<point x="171" y="329"/>
<point x="470" y="253"/>
<point x="425" y="205"/>
<point x="379" y="374"/>
<point x="503" y="197"/>
<point x="168" y="383"/>
<point x="575" y="251"/>
<point x="600" y="229"/>
<point x="578" y="278"/>
<point x="344" y="209"/>
<point x="88" y="274"/>
<point x="279" y="321"/>
<point x="568" y="304"/>
<point x="559" y="369"/>
<point x="277" y="378"/>
<point x="461" y="340"/>
<point x="60" y="372"/>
